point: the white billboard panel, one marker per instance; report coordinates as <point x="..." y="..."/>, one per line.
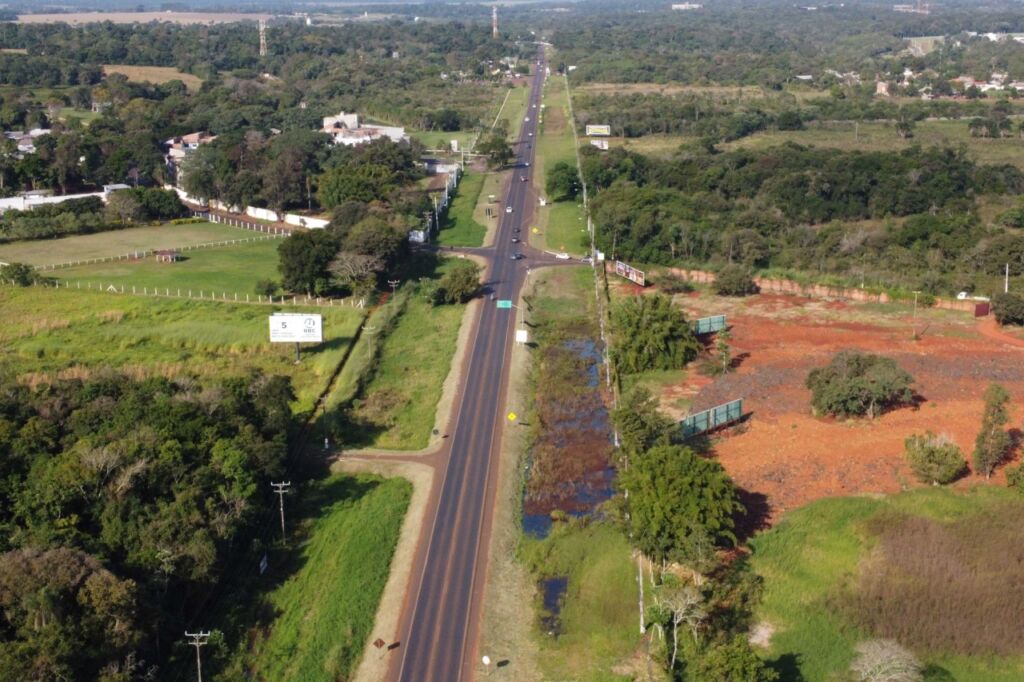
<point x="632" y="274"/>
<point x="602" y="130"/>
<point x="296" y="328"/>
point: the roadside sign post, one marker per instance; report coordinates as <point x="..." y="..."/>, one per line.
<point x="296" y="328"/>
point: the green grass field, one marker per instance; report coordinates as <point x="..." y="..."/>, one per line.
<point x="324" y="611"/>
<point x="70" y="333"/>
<point x="460" y="228"/>
<point x="439" y="139"/>
<point x="223" y="269"/>
<point x="561" y="225"/>
<point x="816" y="551"/>
<point x="598" y="616"/>
<point x="118" y="242"/>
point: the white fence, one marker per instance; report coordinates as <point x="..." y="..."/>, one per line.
<point x="138" y="255"/>
<point x="202" y="294"/>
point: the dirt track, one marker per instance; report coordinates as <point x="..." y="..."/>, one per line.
<point x="783" y="456"/>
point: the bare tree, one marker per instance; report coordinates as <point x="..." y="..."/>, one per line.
<point x="350" y="267"/>
<point x="884" y="660"/>
<point x="686" y="604"/>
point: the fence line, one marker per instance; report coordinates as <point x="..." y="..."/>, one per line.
<point x="212" y="217"/>
<point x="201" y="294"/>
<point x="144" y="253"/>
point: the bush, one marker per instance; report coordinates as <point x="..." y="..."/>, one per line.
<point x="670" y="284"/>
<point x="650" y="333"/>
<point x="992" y="442"/>
<point x="458" y="285"/>
<point x="1008" y="308"/>
<point x="19" y="274"/>
<point x="1015" y="478"/>
<point x="858" y="384"/>
<point x="934" y="459"/>
<point x="266" y="287"/>
<point x="734" y="280"/>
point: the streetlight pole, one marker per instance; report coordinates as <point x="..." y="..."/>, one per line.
<point x="915" y="315"/>
<point x="394" y="286"/>
<point x="199" y="639"/>
<point x="281" y="489"/>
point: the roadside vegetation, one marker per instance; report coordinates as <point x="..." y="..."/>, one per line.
<point x="459" y="228"/>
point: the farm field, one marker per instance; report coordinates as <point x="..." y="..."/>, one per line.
<point x="560" y="224"/>
<point x="69" y="333"/>
<point x="935" y="569"/>
<point x="118" y="242"/>
<point x="154" y="74"/>
<point x="323" y="611"/>
<point x="459" y="227"/>
<point x="231" y="269"/>
<point x="777" y="340"/>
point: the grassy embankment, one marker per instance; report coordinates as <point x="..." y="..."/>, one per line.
<point x="598" y="618"/>
<point x="388" y="393"/>
<point x="561" y="225"/>
<point x="154" y="74"/>
<point x="839" y="560"/>
<point x="459" y="227"/>
<point x="323" y="609"/>
<point x="71" y="333"/>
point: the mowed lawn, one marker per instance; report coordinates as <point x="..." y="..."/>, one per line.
<point x="118" y="242"/>
<point x="54" y="333"/>
<point x="439" y="139"/>
<point x="223" y="269"/>
<point x="459" y="227"/>
<point x="325" y="610"/>
<point x="812" y="559"/>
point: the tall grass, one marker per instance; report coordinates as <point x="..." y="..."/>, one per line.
<point x="323" y="612"/>
<point x="812" y="560"/>
<point x="460" y="229"/>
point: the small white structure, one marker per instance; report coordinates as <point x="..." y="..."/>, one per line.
<point x="686" y="6"/>
<point x="345" y="129"/>
<point x="26" y="141"/>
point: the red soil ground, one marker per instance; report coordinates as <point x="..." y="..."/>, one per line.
<point x="791" y="457"/>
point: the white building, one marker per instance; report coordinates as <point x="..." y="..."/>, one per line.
<point x="345" y="129"/>
<point x="26" y="141"/>
<point x="180" y="147"/>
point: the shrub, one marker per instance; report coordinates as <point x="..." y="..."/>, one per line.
<point x="734" y="280"/>
<point x="1015" y="478"/>
<point x="266" y="287"/>
<point x="670" y="284"/>
<point x="650" y="333"/>
<point x="20" y="274"/>
<point x="934" y="459"/>
<point x="1008" y="308"/>
<point x="884" y="660"/>
<point x="858" y="384"/>
<point x="459" y="284"/>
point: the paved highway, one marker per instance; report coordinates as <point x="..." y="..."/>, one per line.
<point x="443" y="608"/>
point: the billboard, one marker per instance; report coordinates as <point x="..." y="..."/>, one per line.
<point x="632" y="274"/>
<point x="708" y="420"/>
<point x="296" y="328"/>
<point x="600" y="144"/>
<point x="602" y="131"/>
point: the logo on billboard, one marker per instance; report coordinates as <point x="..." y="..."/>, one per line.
<point x="599" y="130"/>
<point x="632" y="274"/>
<point x="296" y="328"/>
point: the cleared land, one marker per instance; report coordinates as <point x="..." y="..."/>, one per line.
<point x="118" y="242"/>
<point x="460" y="228"/>
<point x="154" y="74"/>
<point x="937" y="570"/>
<point x="324" y="610"/>
<point x="67" y="333"/>
<point x="141" y="17"/>
<point x="439" y="139"/>
<point x="561" y="225"/>
<point x="777" y="340"/>
<point x="231" y="269"/>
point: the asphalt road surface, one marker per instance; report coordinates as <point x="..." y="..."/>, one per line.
<point x="438" y="638"/>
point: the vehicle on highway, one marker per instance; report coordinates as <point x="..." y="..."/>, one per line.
<point x="530" y="134"/>
<point x="587" y="259"/>
<point x="508" y="209"/>
<point x="562" y="256"/>
<point x="527" y="120"/>
<point x="516" y="256"/>
<point x="522" y="178"/>
<point x="515" y="240"/>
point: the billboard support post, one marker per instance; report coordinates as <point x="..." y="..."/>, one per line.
<point x="298" y="356"/>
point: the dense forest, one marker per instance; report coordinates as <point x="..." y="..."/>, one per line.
<point x="121" y="504"/>
<point x="901" y="218"/>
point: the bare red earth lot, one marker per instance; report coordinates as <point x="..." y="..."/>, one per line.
<point x="792" y="457"/>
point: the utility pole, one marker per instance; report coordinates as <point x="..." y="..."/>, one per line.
<point x="199" y="639"/>
<point x="370" y="331"/>
<point x="1006" y="280"/>
<point x="915" y="315"/>
<point x="281" y="489"/>
<point x="263" y="38"/>
<point x="394" y="286"/>
<point x="494" y="21"/>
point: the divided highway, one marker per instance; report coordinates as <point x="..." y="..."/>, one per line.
<point x="443" y="608"/>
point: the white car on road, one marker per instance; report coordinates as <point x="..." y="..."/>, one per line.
<point x="562" y="256"/>
<point x="508" y="209"/>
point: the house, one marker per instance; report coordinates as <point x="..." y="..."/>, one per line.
<point x="345" y="129"/>
<point x="26" y="140"/>
<point x="881" y="88"/>
<point x="180" y="147"/>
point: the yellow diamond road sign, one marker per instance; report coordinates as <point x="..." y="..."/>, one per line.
<point x="511" y="416"/>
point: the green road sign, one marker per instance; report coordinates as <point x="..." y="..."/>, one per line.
<point x="504" y="304"/>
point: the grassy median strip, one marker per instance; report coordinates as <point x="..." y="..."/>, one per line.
<point x="325" y="609"/>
